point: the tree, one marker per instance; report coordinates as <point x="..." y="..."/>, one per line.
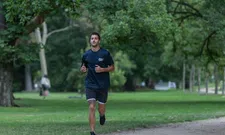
<point x="200" y="26"/>
<point x="135" y="27"/>
<point x="19" y="18"/>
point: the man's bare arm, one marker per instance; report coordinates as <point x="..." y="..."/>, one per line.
<point x="83" y="69"/>
<point x="110" y="68"/>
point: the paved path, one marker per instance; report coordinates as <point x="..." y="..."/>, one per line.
<point x="202" y="127"/>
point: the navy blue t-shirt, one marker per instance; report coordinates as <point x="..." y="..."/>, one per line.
<point x="97" y="81"/>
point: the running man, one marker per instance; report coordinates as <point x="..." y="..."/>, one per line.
<point x="97" y="62"/>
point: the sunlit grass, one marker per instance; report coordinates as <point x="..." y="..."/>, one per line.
<point x="60" y="115"/>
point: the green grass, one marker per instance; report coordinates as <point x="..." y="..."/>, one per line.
<point x="60" y="115"/>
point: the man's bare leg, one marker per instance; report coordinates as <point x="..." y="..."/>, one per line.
<point x="92" y="104"/>
<point x="101" y="110"/>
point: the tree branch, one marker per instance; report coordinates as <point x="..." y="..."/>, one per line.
<point x="182" y="18"/>
<point x="62" y="29"/>
<point x="206" y="41"/>
<point x="58" y="30"/>
<point x="188" y="5"/>
<point x="175" y="9"/>
<point x="210" y="52"/>
<point x="182" y="12"/>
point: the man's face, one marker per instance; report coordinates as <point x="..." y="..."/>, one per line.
<point x="94" y="40"/>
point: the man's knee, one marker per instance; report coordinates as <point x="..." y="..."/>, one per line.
<point x="92" y="107"/>
<point x="101" y="108"/>
<point x="101" y="111"/>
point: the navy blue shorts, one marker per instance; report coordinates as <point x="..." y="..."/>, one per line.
<point x="99" y="95"/>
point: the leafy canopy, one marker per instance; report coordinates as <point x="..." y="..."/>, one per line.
<point x="21" y="18"/>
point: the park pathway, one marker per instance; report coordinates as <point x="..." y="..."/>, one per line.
<point x="210" y="91"/>
<point x="201" y="127"/>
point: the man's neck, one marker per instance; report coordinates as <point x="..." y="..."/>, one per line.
<point x="95" y="49"/>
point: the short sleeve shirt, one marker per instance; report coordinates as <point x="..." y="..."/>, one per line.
<point x="97" y="81"/>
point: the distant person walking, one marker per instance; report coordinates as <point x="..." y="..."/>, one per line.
<point x="45" y="86"/>
<point x="97" y="62"/>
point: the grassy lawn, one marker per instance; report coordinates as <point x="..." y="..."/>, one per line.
<point x="60" y="115"/>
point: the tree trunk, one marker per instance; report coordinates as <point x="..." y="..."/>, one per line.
<point x="28" y="79"/>
<point x="43" y="62"/>
<point x="193" y="76"/>
<point x="6" y="95"/>
<point x="184" y="73"/>
<point x="191" y="79"/>
<point x="129" y="85"/>
<point x="151" y="84"/>
<point x="42" y="52"/>
<point x="223" y="81"/>
<point x="6" y="77"/>
<point x="216" y="78"/>
<point x="178" y="84"/>
<point x="199" y="79"/>
<point x="6" y="81"/>
<point x="206" y="82"/>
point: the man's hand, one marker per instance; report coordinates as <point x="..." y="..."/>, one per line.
<point x="83" y="69"/>
<point x="98" y="69"/>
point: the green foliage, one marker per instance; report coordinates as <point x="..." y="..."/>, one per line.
<point x="64" y="56"/>
<point x="19" y="15"/>
<point x="123" y="65"/>
<point x="28" y="53"/>
<point x="20" y="54"/>
<point x="158" y="36"/>
<point x="21" y="12"/>
<point x="76" y="79"/>
<point x="137" y="24"/>
<point x="161" y="35"/>
<point x="6" y="52"/>
<point x="117" y="80"/>
<point x="197" y="38"/>
<point x="123" y="62"/>
<point x="214" y="22"/>
<point x="135" y="27"/>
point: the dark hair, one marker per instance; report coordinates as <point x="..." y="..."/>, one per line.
<point x="95" y="33"/>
